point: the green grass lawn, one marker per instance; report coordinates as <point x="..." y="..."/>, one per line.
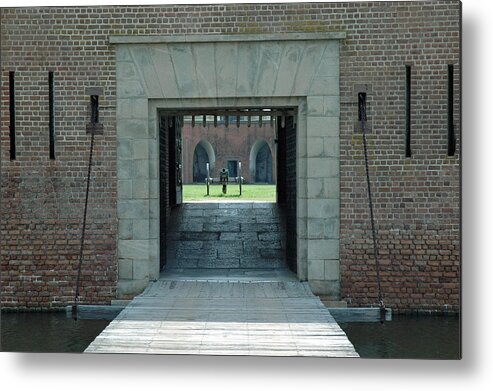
<point x="250" y="193"/>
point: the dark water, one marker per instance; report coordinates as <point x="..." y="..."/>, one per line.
<point x="407" y="337"/>
<point x="47" y="332"/>
<point x="403" y="337"/>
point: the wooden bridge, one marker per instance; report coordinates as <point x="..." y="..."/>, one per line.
<point x="240" y="316"/>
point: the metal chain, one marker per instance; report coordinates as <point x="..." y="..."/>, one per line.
<point x="373" y="230"/>
<point x="83" y="234"/>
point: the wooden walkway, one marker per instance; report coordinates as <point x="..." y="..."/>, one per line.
<point x="274" y="318"/>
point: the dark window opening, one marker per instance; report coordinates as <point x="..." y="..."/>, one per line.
<point x="362" y="106"/>
<point x="408" y="110"/>
<point x="233" y="168"/>
<point x="94" y="109"/>
<point x="12" y="114"/>
<point x="51" y="120"/>
<point x="450" y="114"/>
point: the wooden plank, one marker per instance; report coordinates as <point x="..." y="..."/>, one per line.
<point x="227" y="318"/>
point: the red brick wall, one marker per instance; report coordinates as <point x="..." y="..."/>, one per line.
<point x="229" y="144"/>
<point x="416" y="199"/>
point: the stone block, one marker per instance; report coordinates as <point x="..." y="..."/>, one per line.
<point x="206" y="69"/>
<point x="140" y="149"/>
<point x="130" y="89"/>
<point x="143" y="60"/>
<point x="269" y="236"/>
<point x="153" y="188"/>
<point x="140" y="269"/>
<point x="133" y="209"/>
<point x="141" y="229"/>
<point x="153" y="229"/>
<point x="199" y="236"/>
<point x="125" y="269"/>
<point x="227" y="263"/>
<point x="315" y="147"/>
<point x="322" y="126"/>
<point x="141" y="168"/>
<point x="196" y="253"/>
<point x="124" y="149"/>
<point x="132" y="108"/>
<point x="323" y="167"/>
<point x="331" y="188"/>
<point x="125" y="229"/>
<point x="316" y="269"/>
<point x="332" y="270"/>
<point x="323" y="249"/>
<point x="316" y="229"/>
<point x="153" y="208"/>
<point x="324" y="85"/>
<point x="271" y="253"/>
<point x="273" y="244"/>
<point x="260" y="263"/>
<point x="132" y="128"/>
<point x="331" y="289"/>
<point x="239" y="236"/>
<point x="125" y="169"/>
<point x="329" y="67"/>
<point x="140" y="188"/>
<point x="314" y="187"/>
<point x="226" y="227"/>
<point x="133" y="249"/>
<point x="315" y="106"/>
<point x="124" y="189"/>
<point x="126" y="71"/>
<point x="331" y="147"/>
<point x="127" y="289"/>
<point x="153" y="167"/>
<point x="332" y="106"/>
<point x="323" y="208"/>
<point x="229" y="252"/>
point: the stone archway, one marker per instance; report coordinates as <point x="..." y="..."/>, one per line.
<point x="262" y="70"/>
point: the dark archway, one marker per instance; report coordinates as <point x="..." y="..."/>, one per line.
<point x="200" y="159"/>
<point x="263" y="164"/>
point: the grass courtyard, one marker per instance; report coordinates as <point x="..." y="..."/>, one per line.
<point x="266" y="193"/>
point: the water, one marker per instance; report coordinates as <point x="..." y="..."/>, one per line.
<point x="403" y="337"/>
<point x="425" y="337"/>
<point x="47" y="332"/>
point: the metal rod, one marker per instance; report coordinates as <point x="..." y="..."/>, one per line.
<point x="372" y="219"/>
<point x="208" y="176"/>
<point x="83" y="233"/>
<point x="239" y="175"/>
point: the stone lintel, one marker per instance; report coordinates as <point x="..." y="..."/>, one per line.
<point x="148" y="39"/>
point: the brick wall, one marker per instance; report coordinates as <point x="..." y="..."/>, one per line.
<point x="232" y="143"/>
<point x="416" y="199"/>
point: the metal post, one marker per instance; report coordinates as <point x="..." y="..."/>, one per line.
<point x="208" y="177"/>
<point x="239" y="175"/>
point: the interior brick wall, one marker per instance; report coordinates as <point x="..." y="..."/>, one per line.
<point x="417" y="199"/>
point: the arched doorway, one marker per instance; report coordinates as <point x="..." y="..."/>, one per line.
<point x="203" y="154"/>
<point x="261" y="162"/>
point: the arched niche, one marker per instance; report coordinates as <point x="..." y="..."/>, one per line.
<point x="203" y="153"/>
<point x="261" y="162"/>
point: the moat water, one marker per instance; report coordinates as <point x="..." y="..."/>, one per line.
<point x="423" y="337"/>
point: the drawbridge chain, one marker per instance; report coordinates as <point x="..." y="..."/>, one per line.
<point x="362" y="117"/>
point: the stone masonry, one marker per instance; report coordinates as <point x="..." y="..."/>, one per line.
<point x="226" y="235"/>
